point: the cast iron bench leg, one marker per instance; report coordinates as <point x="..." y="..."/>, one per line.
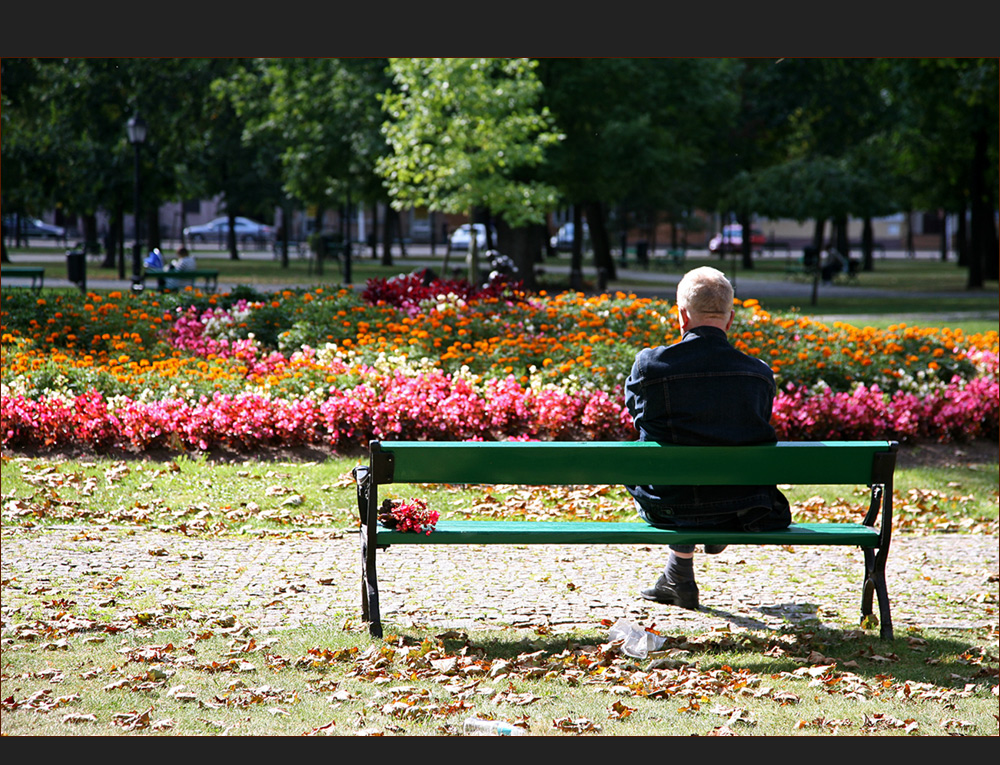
<point x="369" y="577"/>
<point x="369" y="587"/>
<point x="875" y="564"/>
<point x="875" y="584"/>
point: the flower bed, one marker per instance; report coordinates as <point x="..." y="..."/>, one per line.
<point x="439" y="361"/>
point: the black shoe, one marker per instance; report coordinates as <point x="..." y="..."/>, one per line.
<point x="683" y="594"/>
<point x="715" y="549"/>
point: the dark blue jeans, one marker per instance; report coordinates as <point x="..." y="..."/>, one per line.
<point x="762" y="518"/>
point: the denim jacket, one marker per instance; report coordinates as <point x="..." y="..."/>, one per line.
<point x="702" y="391"/>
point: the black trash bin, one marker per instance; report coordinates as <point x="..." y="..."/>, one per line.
<point x="76" y="268"/>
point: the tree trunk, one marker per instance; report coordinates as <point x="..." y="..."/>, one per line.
<point x="183" y="224"/>
<point x="397" y="225"/>
<point x="841" y="239"/>
<point x="120" y="229"/>
<point x="316" y="238"/>
<point x="977" y="193"/>
<point x="447" y="257"/>
<point x="387" y="237"/>
<point x="488" y="222"/>
<point x="472" y="259"/>
<point x="818" y="247"/>
<point x="91" y="241"/>
<point x="525" y="247"/>
<point x="984" y="230"/>
<point x="867" y="245"/>
<point x="600" y="241"/>
<point x="110" y="243"/>
<point x="818" y="233"/>
<point x="962" y="236"/>
<point x="576" y="251"/>
<point x="284" y="234"/>
<point x="746" y="245"/>
<point x="373" y="235"/>
<point x="234" y="253"/>
<point x="944" y="236"/>
<point x="153" y="228"/>
<point x="911" y="251"/>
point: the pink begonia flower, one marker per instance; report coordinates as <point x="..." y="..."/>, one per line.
<point x="438" y="406"/>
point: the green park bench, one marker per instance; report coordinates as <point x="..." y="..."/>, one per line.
<point x="210" y="277"/>
<point x="806" y="265"/>
<point x="36" y="274"/>
<point x="671" y="258"/>
<point x="870" y="463"/>
<point x="772" y="246"/>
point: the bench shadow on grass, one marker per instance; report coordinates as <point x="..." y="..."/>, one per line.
<point x="927" y="656"/>
<point x="749" y="623"/>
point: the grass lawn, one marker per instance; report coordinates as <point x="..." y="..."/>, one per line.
<point x="142" y="647"/>
<point x="137" y="647"/>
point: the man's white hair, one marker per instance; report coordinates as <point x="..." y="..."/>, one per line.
<point x="705" y="291"/>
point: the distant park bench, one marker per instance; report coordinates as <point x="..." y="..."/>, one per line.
<point x="210" y="277"/>
<point x="806" y="265"/>
<point x="36" y="274"/>
<point x="771" y="246"/>
<point x="672" y="258"/>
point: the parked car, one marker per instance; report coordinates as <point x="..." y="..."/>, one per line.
<point x="217" y="230"/>
<point x="563" y="238"/>
<point x="461" y="237"/>
<point x="33" y="227"/>
<point x="731" y="239"/>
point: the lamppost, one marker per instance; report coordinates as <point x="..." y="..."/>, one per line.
<point x="137" y="137"/>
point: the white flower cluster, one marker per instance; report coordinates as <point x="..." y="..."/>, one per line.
<point x="443" y="302"/>
<point x="225" y="325"/>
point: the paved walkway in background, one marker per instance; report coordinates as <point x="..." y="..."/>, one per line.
<point x="652" y="283"/>
<point x="278" y="581"/>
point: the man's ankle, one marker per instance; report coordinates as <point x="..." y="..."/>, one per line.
<point x="679" y="569"/>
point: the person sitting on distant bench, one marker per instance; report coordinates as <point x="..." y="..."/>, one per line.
<point x="154" y="260"/>
<point x="835" y="264"/>
<point x="183" y="262"/>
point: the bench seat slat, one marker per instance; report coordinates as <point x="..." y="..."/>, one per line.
<point x="632" y="462"/>
<point x="583" y="532"/>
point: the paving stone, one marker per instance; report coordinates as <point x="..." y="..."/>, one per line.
<point x="943" y="580"/>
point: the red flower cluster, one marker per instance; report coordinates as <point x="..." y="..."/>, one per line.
<point x="408" y="290"/>
<point x="408" y="515"/>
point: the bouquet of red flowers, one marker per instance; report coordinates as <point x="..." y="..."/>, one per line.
<point x="408" y="515"/>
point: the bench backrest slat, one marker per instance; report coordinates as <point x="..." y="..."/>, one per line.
<point x="629" y="462"/>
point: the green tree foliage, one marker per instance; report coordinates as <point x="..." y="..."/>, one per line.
<point x="948" y="147"/>
<point x="828" y="152"/>
<point x="639" y="136"/>
<point x="233" y="164"/>
<point x="72" y="150"/>
<point x="818" y="139"/>
<point x="323" y="118"/>
<point x="467" y="134"/>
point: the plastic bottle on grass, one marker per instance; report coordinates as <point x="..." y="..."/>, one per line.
<point x="475" y="726"/>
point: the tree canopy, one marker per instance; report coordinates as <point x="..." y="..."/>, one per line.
<point x="627" y="142"/>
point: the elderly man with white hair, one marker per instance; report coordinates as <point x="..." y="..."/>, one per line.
<point x="701" y="391"/>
